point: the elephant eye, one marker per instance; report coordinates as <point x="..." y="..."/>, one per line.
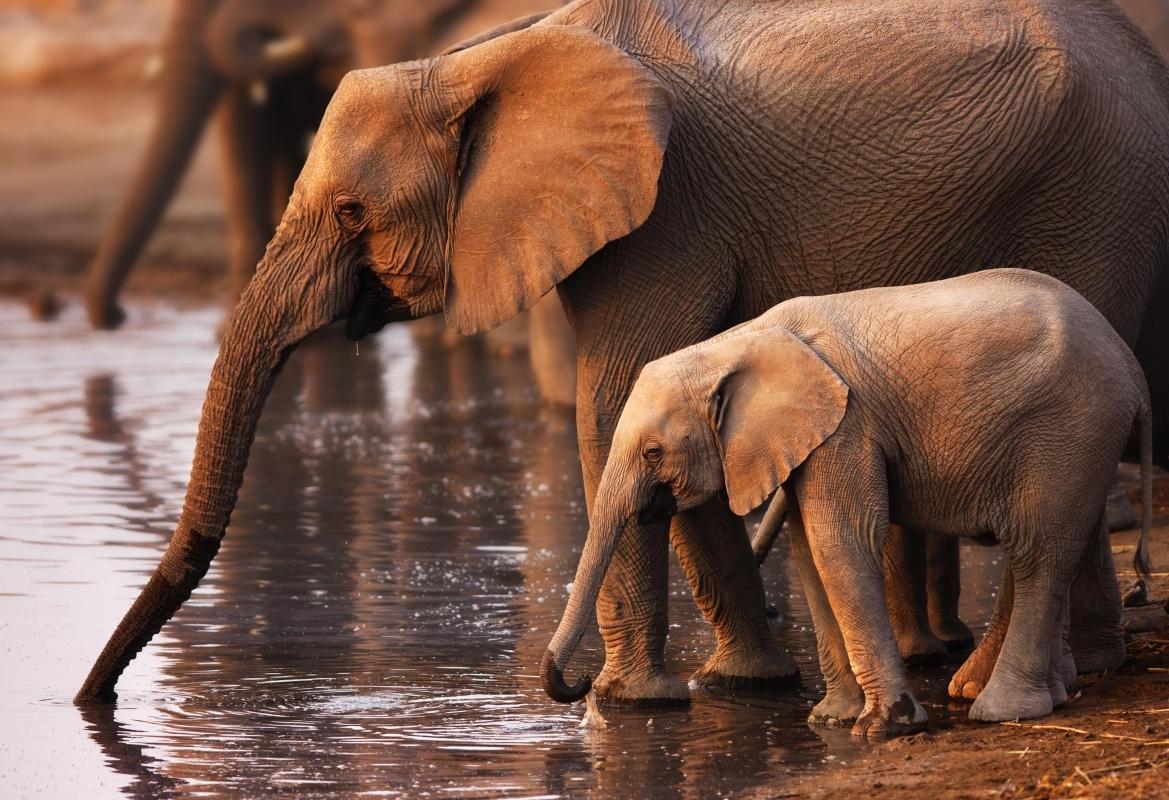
<point x="351" y="213"/>
<point x="653" y="453"/>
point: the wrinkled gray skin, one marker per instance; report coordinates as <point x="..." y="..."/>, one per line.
<point x="674" y="168"/>
<point x="994" y="405"/>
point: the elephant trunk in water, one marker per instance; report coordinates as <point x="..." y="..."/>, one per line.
<point x="189" y="92"/>
<point x="254" y="346"/>
<point x="610" y="519"/>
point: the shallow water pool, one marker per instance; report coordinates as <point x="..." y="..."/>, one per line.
<point x="372" y="626"/>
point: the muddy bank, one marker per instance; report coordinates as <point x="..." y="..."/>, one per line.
<point x="1111" y="741"/>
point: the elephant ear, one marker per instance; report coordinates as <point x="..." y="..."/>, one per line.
<point x="561" y="141"/>
<point x="774" y="402"/>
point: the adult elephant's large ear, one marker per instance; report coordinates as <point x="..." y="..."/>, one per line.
<point x="773" y="402"/>
<point x="561" y="139"/>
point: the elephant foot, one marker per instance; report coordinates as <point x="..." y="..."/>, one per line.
<point x="967" y="682"/>
<point x="1057" y="690"/>
<point x="771" y="670"/>
<point x="1002" y="702"/>
<point x="901" y="718"/>
<point x="955" y="635"/>
<point x="1098" y="653"/>
<point x="1067" y="669"/>
<point x="959" y="648"/>
<point x="923" y="649"/>
<point x="655" y="688"/>
<point x="839" y="707"/>
<point x="104" y="315"/>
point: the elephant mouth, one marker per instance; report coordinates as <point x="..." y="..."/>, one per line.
<point x="374" y="307"/>
<point x="662" y="505"/>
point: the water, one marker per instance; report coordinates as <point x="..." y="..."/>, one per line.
<point x="372" y="626"/>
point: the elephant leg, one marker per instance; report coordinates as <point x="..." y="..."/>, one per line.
<point x="1094" y="632"/>
<point x="632" y="604"/>
<point x="967" y="682"/>
<point x="552" y="350"/>
<point x="247" y="170"/>
<point x="906" y="598"/>
<point x="615" y="338"/>
<point x="844" y="700"/>
<point x="1021" y="686"/>
<point x="1062" y="663"/>
<point x="944" y="581"/>
<point x="713" y="549"/>
<point x="843" y="499"/>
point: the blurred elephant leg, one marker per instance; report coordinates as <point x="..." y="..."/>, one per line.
<point x="974" y="673"/>
<point x="1094" y="632"/>
<point x="944" y="582"/>
<point x="188" y="94"/>
<point x="906" y="597"/>
<point x="247" y="174"/>
<point x="844" y="700"/>
<point x="552" y="349"/>
<point x="715" y="554"/>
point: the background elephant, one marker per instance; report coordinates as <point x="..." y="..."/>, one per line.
<point x="991" y="405"/>
<point x="673" y="173"/>
<point x="266" y="69"/>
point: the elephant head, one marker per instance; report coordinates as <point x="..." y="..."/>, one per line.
<point x="259" y="40"/>
<point x="470" y="183"/>
<point x="737" y="413"/>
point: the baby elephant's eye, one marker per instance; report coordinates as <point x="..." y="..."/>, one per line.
<point x="351" y="213"/>
<point x="653" y="453"/>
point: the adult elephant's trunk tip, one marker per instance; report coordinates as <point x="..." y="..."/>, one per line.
<point x="156" y="604"/>
<point x="554" y="685"/>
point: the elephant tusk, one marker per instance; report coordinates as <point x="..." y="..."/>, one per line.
<point x="287" y="48"/>
<point x="259" y="93"/>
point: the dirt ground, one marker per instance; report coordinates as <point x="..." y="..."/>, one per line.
<point x="67" y="154"/>
<point x="1110" y="741"/>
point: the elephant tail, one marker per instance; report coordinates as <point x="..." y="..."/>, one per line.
<point x="1144" y="420"/>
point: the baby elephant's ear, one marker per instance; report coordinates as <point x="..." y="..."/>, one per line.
<point x="773" y="404"/>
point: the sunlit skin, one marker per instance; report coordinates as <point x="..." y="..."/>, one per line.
<point x="673" y="169"/>
<point x="893" y="406"/>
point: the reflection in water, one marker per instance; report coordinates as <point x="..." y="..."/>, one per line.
<point x="390" y="579"/>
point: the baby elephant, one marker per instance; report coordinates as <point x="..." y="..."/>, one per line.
<point x="994" y="405"/>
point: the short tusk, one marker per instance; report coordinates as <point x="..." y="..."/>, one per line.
<point x="259" y="92"/>
<point x="287" y="48"/>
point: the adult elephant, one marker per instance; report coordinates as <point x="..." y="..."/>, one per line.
<point x="266" y="69"/>
<point x="674" y="168"/>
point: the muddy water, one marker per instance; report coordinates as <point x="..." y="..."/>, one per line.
<point x="394" y="569"/>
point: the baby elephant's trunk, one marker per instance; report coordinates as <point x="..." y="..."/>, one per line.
<point x="590" y="573"/>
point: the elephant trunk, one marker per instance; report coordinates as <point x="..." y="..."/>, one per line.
<point x="604" y="536"/>
<point x="254" y="347"/>
<point x="189" y="91"/>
